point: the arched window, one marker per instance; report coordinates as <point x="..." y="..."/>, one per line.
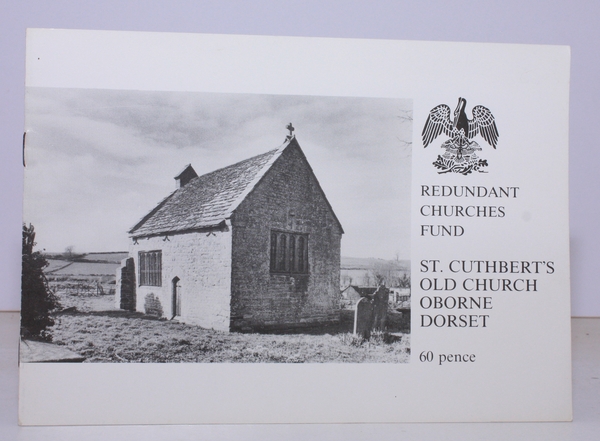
<point x="289" y="252"/>
<point x="292" y="253"/>
<point x="281" y="255"/>
<point x="302" y="266"/>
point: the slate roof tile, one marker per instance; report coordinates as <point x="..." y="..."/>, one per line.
<point x="207" y="200"/>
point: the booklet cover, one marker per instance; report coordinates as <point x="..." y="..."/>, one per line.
<point x="252" y="229"/>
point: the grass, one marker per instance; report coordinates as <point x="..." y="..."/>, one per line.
<point x="91" y="326"/>
<point x="119" y="336"/>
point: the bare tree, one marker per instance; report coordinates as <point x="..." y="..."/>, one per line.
<point x="69" y="251"/>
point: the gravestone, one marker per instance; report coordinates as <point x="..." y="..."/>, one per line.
<point x="380" y="306"/>
<point x="371" y="312"/>
<point x="128" y="285"/>
<point x="363" y="317"/>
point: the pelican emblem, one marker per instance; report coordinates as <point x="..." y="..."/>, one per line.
<point x="460" y="154"/>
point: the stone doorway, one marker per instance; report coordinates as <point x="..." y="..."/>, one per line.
<point x="176" y="297"/>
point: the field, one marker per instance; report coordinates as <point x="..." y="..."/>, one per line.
<point x="366" y="272"/>
<point x="78" y="283"/>
<point x="90" y="325"/>
<point x="82" y="268"/>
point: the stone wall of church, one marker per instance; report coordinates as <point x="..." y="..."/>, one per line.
<point x="198" y="266"/>
<point x="288" y="199"/>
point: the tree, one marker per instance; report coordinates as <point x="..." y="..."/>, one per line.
<point x="37" y="300"/>
<point x="69" y="251"/>
<point x="404" y="282"/>
<point x="383" y="273"/>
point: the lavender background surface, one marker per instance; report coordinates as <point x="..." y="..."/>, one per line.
<point x="575" y="23"/>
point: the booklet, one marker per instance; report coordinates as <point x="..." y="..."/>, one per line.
<point x="253" y="229"/>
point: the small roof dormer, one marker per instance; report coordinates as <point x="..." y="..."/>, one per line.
<point x="186" y="175"/>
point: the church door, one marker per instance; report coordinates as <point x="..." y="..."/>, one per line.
<point x="176" y="296"/>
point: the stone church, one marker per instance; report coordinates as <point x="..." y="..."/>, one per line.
<point x="250" y="247"/>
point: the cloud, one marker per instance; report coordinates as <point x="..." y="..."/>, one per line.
<point x="98" y="160"/>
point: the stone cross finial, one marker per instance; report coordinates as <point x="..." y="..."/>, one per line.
<point x="290" y="127"/>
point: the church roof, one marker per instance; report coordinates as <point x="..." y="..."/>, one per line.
<point x="207" y="201"/>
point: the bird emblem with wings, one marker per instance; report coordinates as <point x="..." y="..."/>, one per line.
<point x="460" y="156"/>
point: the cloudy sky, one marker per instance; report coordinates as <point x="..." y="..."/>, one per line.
<point x="99" y="160"/>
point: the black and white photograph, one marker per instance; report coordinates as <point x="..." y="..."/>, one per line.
<point x="215" y="228"/>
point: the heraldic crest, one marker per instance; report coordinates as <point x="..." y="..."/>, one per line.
<point x="460" y="156"/>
